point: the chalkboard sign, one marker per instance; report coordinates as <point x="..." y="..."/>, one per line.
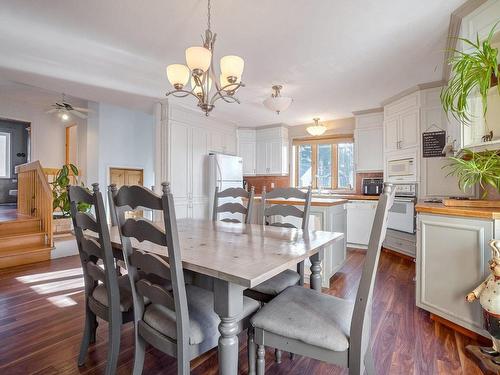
<point x="433" y="143"/>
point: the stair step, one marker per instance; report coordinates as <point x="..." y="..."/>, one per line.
<point x="21" y="241"/>
<point x="19" y="226"/>
<point x="33" y="254"/>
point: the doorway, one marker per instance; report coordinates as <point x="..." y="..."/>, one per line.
<point x="14" y="151"/>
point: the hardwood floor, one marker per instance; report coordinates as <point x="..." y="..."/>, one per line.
<point x="41" y="321"/>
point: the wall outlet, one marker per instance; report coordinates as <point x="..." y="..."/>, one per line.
<point x="272" y="185"/>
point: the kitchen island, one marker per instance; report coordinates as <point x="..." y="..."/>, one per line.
<point x="328" y="214"/>
<point x="452" y="259"/>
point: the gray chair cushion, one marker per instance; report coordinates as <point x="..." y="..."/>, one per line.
<point x="278" y="283"/>
<point x="203" y="320"/>
<point x="308" y="316"/>
<point x="100" y="294"/>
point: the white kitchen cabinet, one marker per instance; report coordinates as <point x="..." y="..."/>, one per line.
<point x="452" y="259"/>
<point x="402" y="130"/>
<point x="369" y="142"/>
<point x="360" y="217"/>
<point x="264" y="151"/>
<point x="222" y="142"/>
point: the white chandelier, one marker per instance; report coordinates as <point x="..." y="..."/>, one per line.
<point x="200" y="72"/>
<point x="276" y="102"/>
<point x="317" y="128"/>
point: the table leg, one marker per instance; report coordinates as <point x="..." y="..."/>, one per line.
<point x="228" y="304"/>
<point x="315" y="278"/>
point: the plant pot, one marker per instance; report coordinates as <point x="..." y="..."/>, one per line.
<point x="62" y="225"/>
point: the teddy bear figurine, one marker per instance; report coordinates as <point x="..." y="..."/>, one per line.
<point x="488" y="293"/>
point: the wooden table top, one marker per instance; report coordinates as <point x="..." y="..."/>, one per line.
<point x="441" y="209"/>
<point x="245" y="254"/>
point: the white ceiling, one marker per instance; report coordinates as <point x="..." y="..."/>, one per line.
<point x="333" y="57"/>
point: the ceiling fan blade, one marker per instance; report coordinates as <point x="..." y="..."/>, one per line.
<point x="81" y="109"/>
<point x="79" y="114"/>
<point x="51" y="110"/>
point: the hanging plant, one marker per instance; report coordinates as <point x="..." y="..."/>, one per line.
<point x="475" y="71"/>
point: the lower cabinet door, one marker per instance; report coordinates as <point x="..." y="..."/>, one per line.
<point x="452" y="260"/>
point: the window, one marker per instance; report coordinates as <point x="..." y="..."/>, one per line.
<point x="4" y="155"/>
<point x="326" y="163"/>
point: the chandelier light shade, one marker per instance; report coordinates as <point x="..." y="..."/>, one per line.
<point x="317" y="128"/>
<point x="201" y="72"/>
<point x="178" y="75"/>
<point x="276" y="102"/>
<point x="232" y="66"/>
<point x="198" y="59"/>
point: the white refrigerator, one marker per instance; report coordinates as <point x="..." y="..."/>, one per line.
<point x="224" y="171"/>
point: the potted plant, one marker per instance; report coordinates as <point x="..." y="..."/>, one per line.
<point x="60" y="199"/>
<point x="477" y="168"/>
<point x="474" y="72"/>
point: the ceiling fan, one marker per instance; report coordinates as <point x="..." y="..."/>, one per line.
<point x="64" y="110"/>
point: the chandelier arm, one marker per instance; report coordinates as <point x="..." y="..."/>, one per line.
<point x="238" y="85"/>
<point x="183" y="94"/>
<point x="227" y="98"/>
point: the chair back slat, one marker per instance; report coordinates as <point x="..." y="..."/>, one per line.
<point x="144" y="230"/>
<point x="286" y="193"/>
<point x="151" y="263"/>
<point x="96" y="272"/>
<point x="155" y="293"/>
<point x="137" y="196"/>
<point x="234" y="206"/>
<point x="233" y="193"/>
<point x="86" y="221"/>
<point x="93" y="250"/>
<point x="361" y="320"/>
<point x="138" y="265"/>
<point x="91" y="247"/>
<point x="285" y="210"/>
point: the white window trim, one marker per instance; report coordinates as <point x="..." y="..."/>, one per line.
<point x="7" y="159"/>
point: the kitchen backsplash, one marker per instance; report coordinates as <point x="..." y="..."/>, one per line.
<point x="284" y="181"/>
<point x="359" y="180"/>
<point x="260" y="181"/>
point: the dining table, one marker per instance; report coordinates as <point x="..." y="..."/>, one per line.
<point x="236" y="257"/>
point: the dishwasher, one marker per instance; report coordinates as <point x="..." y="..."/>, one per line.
<point x="360" y="216"/>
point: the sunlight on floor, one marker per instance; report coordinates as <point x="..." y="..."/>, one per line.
<point x="50" y="275"/>
<point x="54" y="282"/>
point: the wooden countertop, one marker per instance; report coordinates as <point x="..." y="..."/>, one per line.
<point x="316" y="202"/>
<point x="351" y="197"/>
<point x="441" y="209"/>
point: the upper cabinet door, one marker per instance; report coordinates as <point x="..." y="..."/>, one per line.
<point x="369" y="150"/>
<point x="230" y="144"/>
<point x="275" y="157"/>
<point x="261" y="158"/>
<point x="391" y="133"/>
<point x="247" y="153"/>
<point x="409" y="129"/>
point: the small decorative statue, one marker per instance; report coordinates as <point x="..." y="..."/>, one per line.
<point x="488" y="293"/>
<point x="487" y="137"/>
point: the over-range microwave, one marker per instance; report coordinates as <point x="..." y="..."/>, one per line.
<point x="401" y="169"/>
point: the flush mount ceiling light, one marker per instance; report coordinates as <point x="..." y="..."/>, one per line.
<point x="276" y="102"/>
<point x="317" y="128"/>
<point x="200" y="69"/>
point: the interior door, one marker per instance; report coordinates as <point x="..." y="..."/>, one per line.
<point x="134" y="177"/>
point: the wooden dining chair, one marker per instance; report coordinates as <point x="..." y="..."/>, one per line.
<point x="324" y="327"/>
<point x="180" y="322"/>
<point x="235" y="206"/>
<point x="107" y="295"/>
<point x="269" y="289"/>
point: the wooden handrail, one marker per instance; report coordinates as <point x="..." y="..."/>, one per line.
<point x="34" y="197"/>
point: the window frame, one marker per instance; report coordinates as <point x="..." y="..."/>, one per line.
<point x="8" y="161"/>
<point x="314" y="142"/>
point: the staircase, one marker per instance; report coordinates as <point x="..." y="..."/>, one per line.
<point x="22" y="241"/>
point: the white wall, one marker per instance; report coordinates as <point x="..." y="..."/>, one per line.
<point x="48" y="137"/>
<point x="118" y="137"/>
